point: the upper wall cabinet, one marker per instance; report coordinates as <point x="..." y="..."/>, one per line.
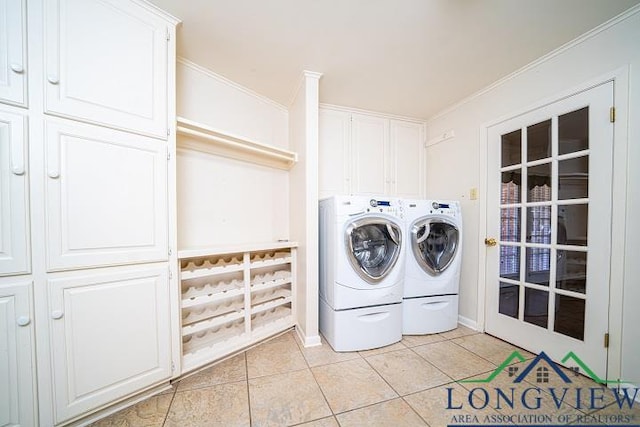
<point x="106" y="63"/>
<point x="14" y="249"/>
<point x="370" y="149"/>
<point x="13" y="51"/>
<point x="106" y="197"/>
<point x="370" y="155"/>
<point x="334" y="153"/>
<point x="407" y="153"/>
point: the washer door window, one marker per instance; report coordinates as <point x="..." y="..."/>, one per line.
<point x="373" y="246"/>
<point x="434" y="243"/>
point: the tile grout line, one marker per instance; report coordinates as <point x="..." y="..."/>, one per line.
<point x="246" y="368"/>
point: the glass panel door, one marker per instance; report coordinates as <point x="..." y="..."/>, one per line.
<point x="549" y="208"/>
<point x="373" y="246"/>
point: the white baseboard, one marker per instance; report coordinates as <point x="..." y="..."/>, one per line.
<point x="464" y="321"/>
<point x="307" y="341"/>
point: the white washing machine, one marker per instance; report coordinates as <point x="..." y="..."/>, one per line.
<point x="361" y="271"/>
<point x="432" y="266"/>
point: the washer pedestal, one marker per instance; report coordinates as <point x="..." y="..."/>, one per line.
<point x="361" y="328"/>
<point x="429" y="315"/>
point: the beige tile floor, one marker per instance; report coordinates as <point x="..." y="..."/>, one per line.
<point x="281" y="383"/>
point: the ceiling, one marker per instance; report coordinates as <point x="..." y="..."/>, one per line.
<point x="406" y="57"/>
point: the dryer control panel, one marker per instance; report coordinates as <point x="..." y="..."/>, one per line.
<point x="385" y="206"/>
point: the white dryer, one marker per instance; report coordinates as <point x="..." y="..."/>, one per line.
<point x="432" y="266"/>
<point x="361" y="271"/>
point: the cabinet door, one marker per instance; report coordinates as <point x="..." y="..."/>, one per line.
<point x="111" y="336"/>
<point x="370" y="136"/>
<point x="106" y="62"/>
<point x="14" y="248"/>
<point x="408" y="159"/>
<point x="106" y="197"/>
<point x="16" y="356"/>
<point x="12" y="52"/>
<point x="334" y="167"/>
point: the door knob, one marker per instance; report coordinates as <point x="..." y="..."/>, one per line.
<point x="490" y="241"/>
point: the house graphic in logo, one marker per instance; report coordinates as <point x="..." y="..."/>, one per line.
<point x="543" y="366"/>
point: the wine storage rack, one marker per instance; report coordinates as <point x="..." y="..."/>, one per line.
<point x="232" y="298"/>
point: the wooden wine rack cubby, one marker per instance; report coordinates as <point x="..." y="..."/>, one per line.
<point x="232" y="298"/>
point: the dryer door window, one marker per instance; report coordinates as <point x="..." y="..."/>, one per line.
<point x="373" y="246"/>
<point x="434" y="243"/>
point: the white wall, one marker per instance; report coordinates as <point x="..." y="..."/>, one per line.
<point x="303" y="129"/>
<point x="223" y="201"/>
<point x="456" y="165"/>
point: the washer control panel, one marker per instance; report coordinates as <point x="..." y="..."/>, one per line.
<point x="385" y="206"/>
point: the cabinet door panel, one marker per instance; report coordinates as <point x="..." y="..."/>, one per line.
<point x="407" y="142"/>
<point x="111" y="335"/>
<point x="14" y="248"/>
<point x="106" y="197"/>
<point x="12" y="51"/>
<point x="107" y="64"/>
<point x="16" y="356"/>
<point x="334" y="168"/>
<point x="370" y="137"/>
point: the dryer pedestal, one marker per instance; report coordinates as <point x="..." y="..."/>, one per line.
<point x="429" y="315"/>
<point x="361" y="328"/>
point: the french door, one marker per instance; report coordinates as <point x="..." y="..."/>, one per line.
<point x="549" y="228"/>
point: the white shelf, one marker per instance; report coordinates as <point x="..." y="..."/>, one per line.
<point x="199" y="137"/>
<point x="211" y="298"/>
<point x="240" y="295"/>
<point x="235" y="249"/>
<point x="212" y="323"/>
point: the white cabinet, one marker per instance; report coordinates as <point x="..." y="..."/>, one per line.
<point x="407" y="154"/>
<point x="106" y="197"/>
<point x="14" y="248"/>
<point x="231" y="300"/>
<point x="106" y="63"/>
<point x="370" y="149"/>
<point x="370" y="155"/>
<point x="334" y="171"/>
<point x="109" y="332"/>
<point x="17" y="403"/>
<point x="13" y="51"/>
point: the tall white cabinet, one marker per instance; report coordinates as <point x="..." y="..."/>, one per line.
<point x="87" y="146"/>
<point x="370" y="154"/>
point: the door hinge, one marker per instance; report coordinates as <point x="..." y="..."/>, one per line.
<point x="168" y="154"/>
<point x="168" y="35"/>
<point x="612" y="114"/>
<point x="170" y="275"/>
<point x="606" y="340"/>
<point x="173" y="366"/>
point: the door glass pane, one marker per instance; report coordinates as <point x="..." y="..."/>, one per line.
<point x="539" y="224"/>
<point x="570" y="316"/>
<point x="539" y="183"/>
<point x="539" y="141"/>
<point x="509" y="297"/>
<point x="536" y="304"/>
<point x="572" y="224"/>
<point x="374" y="248"/>
<point x="434" y="244"/>
<point x="538" y="266"/>
<point x="573" y="131"/>
<point x="512" y="148"/>
<point x="510" y="224"/>
<point x="510" y="190"/>
<point x="573" y="178"/>
<point x="571" y="271"/>
<point x="510" y="262"/>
